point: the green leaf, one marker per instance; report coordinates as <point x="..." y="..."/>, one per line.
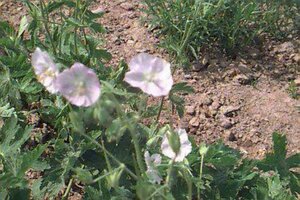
<point x="98" y="28"/>
<point x="19" y="193"/>
<point x="23" y="26"/>
<point x="116" y="130"/>
<point x="12" y="137"/>
<point x="179" y="104"/>
<point x="75" y="22"/>
<point x="52" y="6"/>
<point x="293" y="161"/>
<point x="37" y="193"/>
<point x="83" y="175"/>
<point x="29" y="158"/>
<point x="7" y="111"/>
<point x="181" y="87"/>
<point x="77" y="122"/>
<point x="102" y="54"/>
<point x="279" y="145"/>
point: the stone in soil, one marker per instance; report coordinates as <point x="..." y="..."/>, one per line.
<point x="190" y="110"/>
<point x="194" y="122"/>
<point x="229" y="110"/>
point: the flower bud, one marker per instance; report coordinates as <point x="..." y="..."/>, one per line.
<point x="174" y="141"/>
<point x="203" y="149"/>
<point x="114" y="177"/>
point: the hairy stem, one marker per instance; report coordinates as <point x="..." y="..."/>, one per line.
<point x="160" y="109"/>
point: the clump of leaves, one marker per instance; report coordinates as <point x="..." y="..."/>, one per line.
<point x="293" y="90"/>
<point x="186" y="27"/>
<point x="15" y="162"/>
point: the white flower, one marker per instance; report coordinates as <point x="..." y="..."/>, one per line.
<point x="45" y="69"/>
<point x="152" y="162"/>
<point x="151" y="74"/>
<point x="184" y="149"/>
<point x="79" y="85"/>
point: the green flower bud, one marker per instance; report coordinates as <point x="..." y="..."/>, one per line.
<point x="203" y="149"/>
<point x="114" y="178"/>
<point x="174" y="141"/>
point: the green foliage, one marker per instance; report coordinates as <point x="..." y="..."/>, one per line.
<point x="101" y="148"/>
<point x="15" y="161"/>
<point x="293" y="90"/>
<point x="188" y="27"/>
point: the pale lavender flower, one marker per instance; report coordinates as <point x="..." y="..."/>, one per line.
<point x="152" y="162"/>
<point x="151" y="74"/>
<point x="45" y="69"/>
<point x="79" y="85"/>
<point x="184" y="149"/>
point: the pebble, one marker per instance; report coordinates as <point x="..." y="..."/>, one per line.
<point x="297" y="82"/>
<point x="127" y="6"/>
<point x="243" y="79"/>
<point x="226" y="123"/>
<point x="195" y="122"/>
<point x="205" y="100"/>
<point x="229" y="110"/>
<point x="190" y="110"/>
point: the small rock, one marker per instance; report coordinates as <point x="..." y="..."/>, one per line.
<point x="205" y="100"/>
<point x="200" y="65"/>
<point x="215" y="105"/>
<point x="184" y="124"/>
<point x="232" y="137"/>
<point x="195" y="122"/>
<point x="188" y="76"/>
<point x="190" y="110"/>
<point x="193" y="130"/>
<point x="244" y="68"/>
<point x="127" y="6"/>
<point x="227" y="124"/>
<point x="297" y="82"/>
<point x="130" y="42"/>
<point x="243" y="79"/>
<point x="284" y="47"/>
<point x="296" y="58"/>
<point x="229" y="110"/>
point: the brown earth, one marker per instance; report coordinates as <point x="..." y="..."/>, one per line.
<point x="242" y="101"/>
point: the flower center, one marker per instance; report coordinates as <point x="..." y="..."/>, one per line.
<point x="81" y="88"/>
<point x="149" y="77"/>
<point x="49" y="72"/>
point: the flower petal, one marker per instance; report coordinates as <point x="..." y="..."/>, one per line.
<point x="185" y="146"/>
<point x="45" y="69"/>
<point x="79" y="85"/>
<point x="151" y="74"/>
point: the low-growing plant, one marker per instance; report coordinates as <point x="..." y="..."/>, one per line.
<point x="100" y="143"/>
<point x="293" y="90"/>
<point x="229" y="24"/>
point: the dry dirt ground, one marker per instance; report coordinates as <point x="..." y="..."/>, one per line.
<point x="241" y="101"/>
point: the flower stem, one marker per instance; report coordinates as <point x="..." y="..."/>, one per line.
<point x="66" y="194"/>
<point x="200" y="176"/>
<point x="105" y="156"/>
<point x="133" y="136"/>
<point x="137" y="148"/>
<point x="168" y="179"/>
<point x="160" y="109"/>
<point x="110" y="155"/>
<point x="46" y="20"/>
